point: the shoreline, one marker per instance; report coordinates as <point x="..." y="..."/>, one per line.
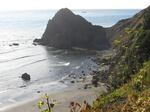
<point x="58" y="65"/>
<point x="79" y="88"/>
<point x="63" y="98"/>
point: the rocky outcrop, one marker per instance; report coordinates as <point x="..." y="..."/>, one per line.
<point x="26" y="77"/>
<point x="67" y="30"/>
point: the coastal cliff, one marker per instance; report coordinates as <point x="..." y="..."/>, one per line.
<point x="129" y="72"/>
<point x="67" y="30"/>
<point x="127" y="77"/>
<point x="133" y="23"/>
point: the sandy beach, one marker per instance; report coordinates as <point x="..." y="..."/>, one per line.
<point x="54" y="64"/>
<point x="75" y="87"/>
<point x="62" y="98"/>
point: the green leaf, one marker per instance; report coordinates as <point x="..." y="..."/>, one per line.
<point x="40" y="104"/>
<point x="46" y="96"/>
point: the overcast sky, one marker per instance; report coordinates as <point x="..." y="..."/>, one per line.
<point x="72" y="4"/>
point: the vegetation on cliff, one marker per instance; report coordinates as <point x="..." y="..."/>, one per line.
<point x="133" y="96"/>
<point x="129" y="73"/>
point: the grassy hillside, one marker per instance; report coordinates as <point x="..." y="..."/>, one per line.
<point x="129" y="73"/>
<point x="133" y="96"/>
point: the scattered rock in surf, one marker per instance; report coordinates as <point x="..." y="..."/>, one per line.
<point x="22" y="86"/>
<point x="15" y="44"/>
<point x="83" y="74"/>
<point x="72" y="81"/>
<point x="36" y="41"/>
<point x="62" y="81"/>
<point x="85" y="87"/>
<point x="80" y="77"/>
<point x="74" y="77"/>
<point x="26" y="77"/>
<point x="35" y="44"/>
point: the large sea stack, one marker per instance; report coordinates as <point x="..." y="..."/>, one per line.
<point x="67" y="30"/>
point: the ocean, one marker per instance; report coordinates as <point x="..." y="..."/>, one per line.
<point x="46" y="65"/>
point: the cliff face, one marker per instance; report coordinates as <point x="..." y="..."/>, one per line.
<point x="129" y="72"/>
<point x="67" y="30"/>
<point x="132" y="45"/>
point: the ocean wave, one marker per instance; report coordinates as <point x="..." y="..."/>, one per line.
<point x="10" y="51"/>
<point x="53" y="65"/>
<point x="60" y="64"/>
<point x="21" y="65"/>
<point x="33" y="62"/>
<point x="4" y="91"/>
<point x="3" y="61"/>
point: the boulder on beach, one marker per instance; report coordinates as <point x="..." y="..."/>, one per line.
<point x="26" y="77"/>
<point x="72" y="81"/>
<point x="67" y="30"/>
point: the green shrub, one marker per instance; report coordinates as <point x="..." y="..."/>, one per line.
<point x="45" y="105"/>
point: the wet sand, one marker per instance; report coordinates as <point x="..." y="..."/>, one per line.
<point x="75" y="93"/>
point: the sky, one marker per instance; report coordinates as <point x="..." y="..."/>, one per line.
<point x="72" y="4"/>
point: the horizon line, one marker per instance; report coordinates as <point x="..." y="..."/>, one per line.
<point x="73" y="9"/>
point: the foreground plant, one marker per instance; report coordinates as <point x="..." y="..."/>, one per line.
<point x="45" y="105"/>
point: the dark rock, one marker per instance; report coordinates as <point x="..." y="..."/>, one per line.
<point x="26" y="77"/>
<point x="34" y="43"/>
<point x="15" y="44"/>
<point x="22" y="86"/>
<point x="72" y="81"/>
<point x="67" y="30"/>
<point x="52" y="105"/>
<point x="83" y="74"/>
<point x="62" y="81"/>
<point x="38" y="91"/>
<point x="80" y="77"/>
<point x="85" y="87"/>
